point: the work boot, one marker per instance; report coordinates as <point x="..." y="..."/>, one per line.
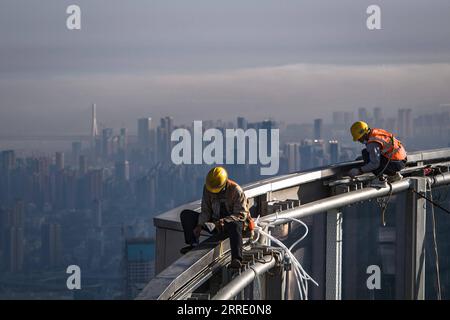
<point x="186" y="249"/>
<point x="379" y="183"/>
<point x="396" y="177"/>
<point x="235" y="264"/>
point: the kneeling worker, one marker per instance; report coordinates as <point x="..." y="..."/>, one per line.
<point x="384" y="153"/>
<point x="225" y="206"/>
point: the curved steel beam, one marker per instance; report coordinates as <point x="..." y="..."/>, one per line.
<point x="345" y="199"/>
<point x="238" y="284"/>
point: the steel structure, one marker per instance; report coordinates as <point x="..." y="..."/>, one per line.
<point x="318" y="197"/>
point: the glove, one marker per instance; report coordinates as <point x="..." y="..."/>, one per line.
<point x="354" y="172"/>
<point x="219" y="224"/>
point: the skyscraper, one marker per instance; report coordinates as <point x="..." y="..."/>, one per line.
<point x="14" y="248"/>
<point x="318" y="129"/>
<point x="82" y="165"/>
<point x="94" y="129"/>
<point x="334" y="151"/>
<point x="363" y="115"/>
<point x="306" y="154"/>
<point x="76" y="151"/>
<point x="293" y="156"/>
<point x="123" y="144"/>
<point x="144" y="126"/>
<point x="51" y="245"/>
<point x="377" y="118"/>
<point x="8" y="164"/>
<point x="138" y="264"/>
<point x="97" y="213"/>
<point x="404" y="124"/>
<point x="95" y="180"/>
<point x="107" y="142"/>
<point x="59" y="161"/>
<point x="13" y="242"/>
<point x="122" y="169"/>
<point x="8" y="160"/>
<point x="242" y="123"/>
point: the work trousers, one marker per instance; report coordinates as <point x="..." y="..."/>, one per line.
<point x="233" y="230"/>
<point x="392" y="168"/>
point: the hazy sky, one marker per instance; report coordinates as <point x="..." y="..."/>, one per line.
<point x="207" y="59"/>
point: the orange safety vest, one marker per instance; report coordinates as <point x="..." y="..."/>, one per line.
<point x="391" y="147"/>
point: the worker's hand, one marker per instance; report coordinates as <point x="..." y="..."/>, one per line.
<point x="197" y="231"/>
<point x="354" y="172"/>
<point x="219" y="224"/>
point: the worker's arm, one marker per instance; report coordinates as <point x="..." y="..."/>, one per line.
<point x="240" y="205"/>
<point x="205" y="214"/>
<point x="374" y="157"/>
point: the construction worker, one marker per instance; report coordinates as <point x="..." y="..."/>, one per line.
<point x="384" y="153"/>
<point x="225" y="207"/>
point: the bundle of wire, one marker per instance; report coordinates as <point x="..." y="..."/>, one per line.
<point x="301" y="276"/>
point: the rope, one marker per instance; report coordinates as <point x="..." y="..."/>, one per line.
<point x="384" y="205"/>
<point x="431" y="201"/>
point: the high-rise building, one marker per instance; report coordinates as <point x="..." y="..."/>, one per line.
<point x="139" y="262"/>
<point x="146" y="191"/>
<point x="306" y="154"/>
<point x="349" y="118"/>
<point x="363" y="115"/>
<point x="97" y="213"/>
<point x="268" y="125"/>
<point x="8" y="164"/>
<point x="123" y="144"/>
<point x="144" y="127"/>
<point x="318" y="129"/>
<point x="334" y="151"/>
<point x="167" y="122"/>
<point x="242" y="123"/>
<point x="404" y="123"/>
<point x="95" y="185"/>
<point x="14" y="253"/>
<point x="8" y="159"/>
<point x="76" y="152"/>
<point x="107" y="142"/>
<point x="51" y="245"/>
<point x="293" y="156"/>
<point x="164" y="143"/>
<point x="82" y="165"/>
<point x="94" y="129"/>
<point x="122" y="169"/>
<point x="338" y="119"/>
<point x="13" y="241"/>
<point x="378" y="118"/>
<point x="59" y="161"/>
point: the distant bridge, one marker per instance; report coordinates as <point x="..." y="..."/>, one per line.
<point x="332" y="208"/>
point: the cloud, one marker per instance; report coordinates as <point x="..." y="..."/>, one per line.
<point x="294" y="93"/>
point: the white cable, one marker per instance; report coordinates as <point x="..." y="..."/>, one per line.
<point x="302" y="276"/>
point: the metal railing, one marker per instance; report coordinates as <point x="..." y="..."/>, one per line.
<point x="312" y="188"/>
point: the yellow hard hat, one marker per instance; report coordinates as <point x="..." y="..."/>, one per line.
<point x="216" y="179"/>
<point x="358" y="129"/>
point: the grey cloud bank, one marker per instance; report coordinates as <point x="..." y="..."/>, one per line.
<point x="292" y="93"/>
<point x="200" y="59"/>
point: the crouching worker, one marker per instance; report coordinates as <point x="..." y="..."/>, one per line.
<point x="224" y="209"/>
<point x="384" y="153"/>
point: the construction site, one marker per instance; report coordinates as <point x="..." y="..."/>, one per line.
<point x="320" y="235"/>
